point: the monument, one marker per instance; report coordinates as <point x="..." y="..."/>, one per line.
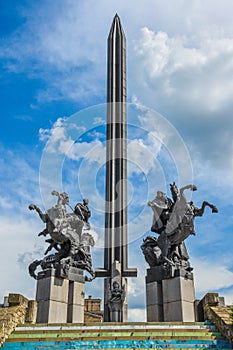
<point x="169" y="280"/>
<point x="60" y="284"/>
<point x="62" y="272"/>
<point x="116" y="268"/>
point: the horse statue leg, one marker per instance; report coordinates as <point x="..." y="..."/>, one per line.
<point x="41" y="214"/>
<point x="212" y="206"/>
<point x="200" y="211"/>
<point x="52" y="245"/>
<point x="164" y="244"/>
<point x="44" y="232"/>
<point x="32" y="268"/>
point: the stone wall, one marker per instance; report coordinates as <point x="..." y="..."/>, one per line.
<point x="92" y="310"/>
<point x="220" y="316"/>
<point x="20" y="310"/>
<point x="90" y="317"/>
<point x="92" y="304"/>
<point x="212" y="307"/>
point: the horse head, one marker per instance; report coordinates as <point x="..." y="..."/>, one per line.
<point x="174" y="191"/>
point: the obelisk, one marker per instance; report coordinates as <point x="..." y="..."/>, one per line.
<point x="116" y="237"/>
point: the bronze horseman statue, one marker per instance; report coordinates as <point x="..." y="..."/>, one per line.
<point x="173" y="220"/>
<point x="69" y="236"/>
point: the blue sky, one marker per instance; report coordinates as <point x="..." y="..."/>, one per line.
<point x="53" y="66"/>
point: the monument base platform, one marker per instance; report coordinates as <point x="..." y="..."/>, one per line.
<point x="60" y="300"/>
<point x="108" y="336"/>
<point x="169" y="295"/>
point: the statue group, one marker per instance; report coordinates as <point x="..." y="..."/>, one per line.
<point x="69" y="236"/>
<point x="173" y="221"/>
<point x="70" y="240"/>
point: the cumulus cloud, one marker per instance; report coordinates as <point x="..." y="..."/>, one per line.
<point x="56" y="137"/>
<point x="60" y="141"/>
<point x="25" y="258"/>
<point x="137" y="314"/>
<point x="180" y="69"/>
<point x="136" y="286"/>
<point x="188" y="79"/>
<point x="64" y="43"/>
<point x="19" y="234"/>
<point x="138" y="151"/>
<point x="92" y="151"/>
<point x="146" y="147"/>
<point x="211" y="276"/>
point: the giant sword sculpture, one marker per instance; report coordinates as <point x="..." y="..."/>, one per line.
<point x="115" y="253"/>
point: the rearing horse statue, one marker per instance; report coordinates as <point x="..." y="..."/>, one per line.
<point x="69" y="236"/>
<point x="173" y="220"/>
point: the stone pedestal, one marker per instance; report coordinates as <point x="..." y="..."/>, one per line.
<point x="75" y="312"/>
<point x="52" y="297"/>
<point x="59" y="299"/>
<point x="169" y="295"/>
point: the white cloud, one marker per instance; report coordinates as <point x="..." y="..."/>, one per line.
<point x="56" y="137"/>
<point x="136" y="286"/>
<point x="228" y="295"/>
<point x="155" y="50"/>
<point x="19" y="235"/>
<point x="188" y="79"/>
<point x="211" y="276"/>
<point x="164" y="55"/>
<point x="137" y="314"/>
<point x="137" y="153"/>
<point x="64" y="43"/>
<point x="44" y="134"/>
<point x="98" y="120"/>
<point x="147" y="147"/>
<point x="179" y="69"/>
<point x="27" y="257"/>
<point x="59" y="141"/>
<point x="92" y="151"/>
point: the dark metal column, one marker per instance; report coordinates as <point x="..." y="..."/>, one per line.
<point x="116" y="250"/>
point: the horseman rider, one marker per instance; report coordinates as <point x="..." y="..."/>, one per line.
<point x="161" y="206"/>
<point x="82" y="210"/>
<point x="163" y="214"/>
